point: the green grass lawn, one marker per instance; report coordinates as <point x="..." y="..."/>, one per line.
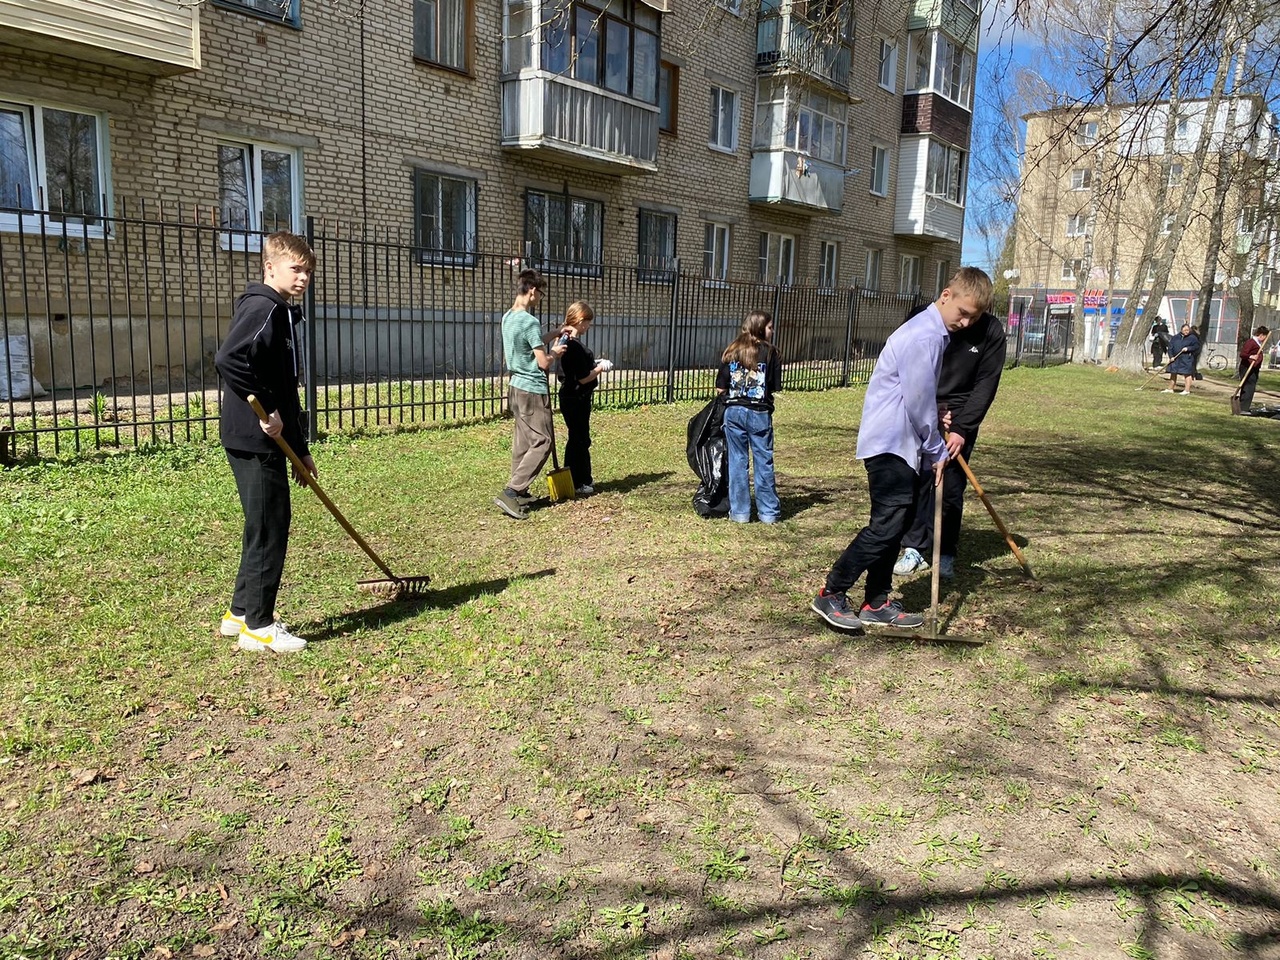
<point x="615" y="730"/>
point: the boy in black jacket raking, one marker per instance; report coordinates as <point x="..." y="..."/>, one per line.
<point x="971" y="369"/>
<point x="261" y="356"/>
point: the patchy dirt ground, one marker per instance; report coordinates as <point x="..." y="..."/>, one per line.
<point x="616" y="730"/>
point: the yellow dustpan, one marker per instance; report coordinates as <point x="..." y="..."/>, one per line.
<point x="559" y="479"/>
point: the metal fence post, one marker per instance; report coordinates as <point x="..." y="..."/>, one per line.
<point x="676" y="279"/>
<point x="309" y="359"/>
<point x="851" y="321"/>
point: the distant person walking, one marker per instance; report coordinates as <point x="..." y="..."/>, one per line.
<point x="1159" y="342"/>
<point x="750" y="374"/>
<point x="1185" y="350"/>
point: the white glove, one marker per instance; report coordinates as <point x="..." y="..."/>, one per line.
<point x="604" y="365"/>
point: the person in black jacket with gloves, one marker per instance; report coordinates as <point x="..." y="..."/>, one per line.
<point x="971" y="369"/>
<point x="261" y="356"/>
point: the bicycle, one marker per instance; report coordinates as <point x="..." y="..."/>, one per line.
<point x="1215" y="361"/>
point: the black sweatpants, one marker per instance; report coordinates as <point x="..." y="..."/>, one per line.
<point x="920" y="536"/>
<point x="576" y="407"/>
<point x="891" y="482"/>
<point x="262" y="480"/>
<point x="1249" y="385"/>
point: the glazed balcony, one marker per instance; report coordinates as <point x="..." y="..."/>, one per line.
<point x="159" y="37"/>
<point x="790" y="179"/>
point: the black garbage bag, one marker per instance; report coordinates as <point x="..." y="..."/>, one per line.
<point x="709" y="459"/>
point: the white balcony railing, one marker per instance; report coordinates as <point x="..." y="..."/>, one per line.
<point x="788" y="178"/>
<point x="150" y="36"/>
<point x="599" y="129"/>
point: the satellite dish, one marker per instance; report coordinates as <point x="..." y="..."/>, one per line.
<point x="1235" y="282"/>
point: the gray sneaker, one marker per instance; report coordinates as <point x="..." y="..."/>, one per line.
<point x="511" y="506"/>
<point x="910" y="562"/>
<point x="889" y="614"/>
<point x="834" y="608"/>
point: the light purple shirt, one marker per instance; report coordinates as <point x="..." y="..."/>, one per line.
<point x="900" y="413"/>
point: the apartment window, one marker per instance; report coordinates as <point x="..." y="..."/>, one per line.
<point x="445" y="224"/>
<point x="888" y="73"/>
<point x="566" y="233"/>
<point x="952" y="70"/>
<point x="777" y="258"/>
<point x="921" y="58"/>
<point x="909" y="275"/>
<point x="442" y="32"/>
<point x="668" y="96"/>
<point x="724" y="119"/>
<point x="282" y="11"/>
<point x="1151" y="272"/>
<point x="1182" y="127"/>
<point x="1081" y="178"/>
<point x="257" y="190"/>
<point x="715" y="261"/>
<point x="53" y="159"/>
<point x="1248" y="220"/>
<point x="945" y="172"/>
<point x="733" y="6"/>
<point x="1175" y="175"/>
<point x="806" y="121"/>
<point x="1071" y="269"/>
<point x="880" y="171"/>
<point x="657" y="246"/>
<point x="1166" y="225"/>
<point x="874" y="261"/>
<point x="611" y="44"/>
<point x="944" y="277"/>
<point x="1078" y="225"/>
<point x="828" y="264"/>
<point x="1087" y="133"/>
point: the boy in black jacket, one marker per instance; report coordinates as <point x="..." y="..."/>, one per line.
<point x="261" y="356"/>
<point x="971" y="369"/>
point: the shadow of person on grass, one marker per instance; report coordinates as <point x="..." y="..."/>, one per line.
<point x="391" y="609"/>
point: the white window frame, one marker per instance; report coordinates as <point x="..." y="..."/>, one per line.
<point x="779" y="248"/>
<point x="880" y="170"/>
<point x="1247" y="221"/>
<point x="874" y="268"/>
<point x="954" y="172"/>
<point x="828" y="264"/>
<point x="1071" y="268"/>
<point x="733" y="6"/>
<point x="1087" y="133"/>
<point x="427" y="252"/>
<point x="465" y="11"/>
<point x="1078" y="225"/>
<point x="1175" y="175"/>
<point x="249" y="236"/>
<point x="38" y="214"/>
<point x="719" y="96"/>
<point x="1082" y="178"/>
<point x="909" y="274"/>
<point x="1182" y="127"/>
<point x="716" y="250"/>
<point x="952" y="70"/>
<point x="887" y="72"/>
<point x="919" y="60"/>
<point x="944" y="274"/>
<point x="1166" y="225"/>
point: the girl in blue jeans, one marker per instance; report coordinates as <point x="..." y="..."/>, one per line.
<point x="750" y="374"/>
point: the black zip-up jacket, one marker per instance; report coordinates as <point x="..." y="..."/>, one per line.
<point x="260" y="357"/>
<point x="971" y="369"/>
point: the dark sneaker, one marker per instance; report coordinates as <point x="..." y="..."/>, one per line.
<point x="946" y="567"/>
<point x="511" y="506"/>
<point x="890" y="614"/>
<point x="834" y="608"/>
<point x="524" y="499"/>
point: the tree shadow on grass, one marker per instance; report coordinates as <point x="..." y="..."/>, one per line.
<point x="394" y="609"/>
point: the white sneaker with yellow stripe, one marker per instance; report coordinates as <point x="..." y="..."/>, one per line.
<point x="275" y="636"/>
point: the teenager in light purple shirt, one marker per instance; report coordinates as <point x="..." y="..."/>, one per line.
<point x="898" y="438"/>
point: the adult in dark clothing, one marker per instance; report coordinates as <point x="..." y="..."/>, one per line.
<point x="971" y="369"/>
<point x="1159" y="341"/>
<point x="1251" y="354"/>
<point x="579" y="373"/>
<point x="1184" y="348"/>
<point x="260" y="357"/>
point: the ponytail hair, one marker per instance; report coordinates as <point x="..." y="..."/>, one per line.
<point x="751" y="346"/>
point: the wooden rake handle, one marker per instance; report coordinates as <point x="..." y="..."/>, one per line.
<point x="314" y="484"/>
<point x="1255" y="362"/>
<point x="1008" y="538"/>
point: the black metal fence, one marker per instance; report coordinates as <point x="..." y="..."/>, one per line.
<point x="1038" y="334"/>
<point x="109" y="328"/>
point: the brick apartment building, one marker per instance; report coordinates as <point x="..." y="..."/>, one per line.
<point x="1097" y="188"/>
<point x="812" y="140"/>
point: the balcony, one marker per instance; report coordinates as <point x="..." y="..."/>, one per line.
<point x="787" y="44"/>
<point x="922" y="215"/>
<point x="799" y="183"/>
<point x="158" y="37"/>
<point x="579" y="124"/>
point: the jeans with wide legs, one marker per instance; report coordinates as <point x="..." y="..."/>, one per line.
<point x="954" y="481"/>
<point x="262" y="480"/>
<point x="892" y="486"/>
<point x="576" y="407"/>
<point x="532" y="444"/>
<point x="748" y="435"/>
